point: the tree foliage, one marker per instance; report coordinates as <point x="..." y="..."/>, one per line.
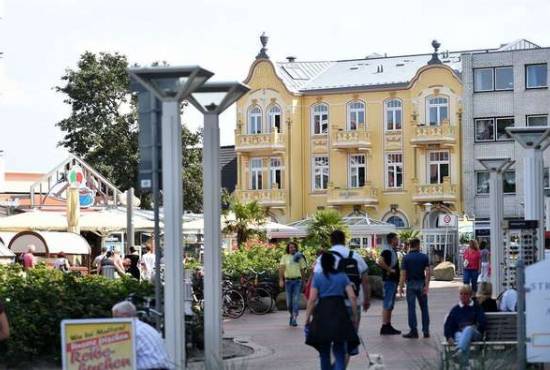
<point x="102" y="128"/>
<point x="249" y="217"/>
<point x="322" y="224"/>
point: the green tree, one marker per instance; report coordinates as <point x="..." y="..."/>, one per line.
<point x="102" y="128"/>
<point x="249" y="217"/>
<point x="406" y="235"/>
<point x="322" y="224"/>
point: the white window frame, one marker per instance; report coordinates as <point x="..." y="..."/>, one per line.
<point x="275" y="165"/>
<point x="527" y="76"/>
<point x="357" y="167"/>
<point x="319" y="110"/>
<point x="438" y="107"/>
<point x="395" y="166"/>
<point x="273" y="111"/>
<point x="319" y="170"/>
<point x="255" y="120"/>
<point x="255" y="181"/>
<point x="356" y="108"/>
<point x="390" y="111"/>
<point x="527" y="118"/>
<point x="438" y="163"/>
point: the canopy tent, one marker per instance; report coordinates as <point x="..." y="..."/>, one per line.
<point x="359" y="226"/>
<point x="34" y="220"/>
<point x="50" y="243"/>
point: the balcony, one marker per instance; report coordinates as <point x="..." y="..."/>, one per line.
<point x="267" y="197"/>
<point x="356" y="139"/>
<point x="444" y="134"/>
<point x="445" y="192"/>
<point x="366" y="195"/>
<point x="271" y="142"/>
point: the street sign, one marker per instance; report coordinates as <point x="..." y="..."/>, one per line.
<point x="448" y="221"/>
<point x="537" y="283"/>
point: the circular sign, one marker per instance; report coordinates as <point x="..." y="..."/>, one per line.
<point x="447" y="219"/>
<point x="76" y="176"/>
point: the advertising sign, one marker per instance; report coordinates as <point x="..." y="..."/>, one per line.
<point x="98" y="344"/>
<point x="537" y="311"/>
<point x="114" y="242"/>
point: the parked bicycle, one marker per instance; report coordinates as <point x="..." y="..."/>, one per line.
<point x="258" y="299"/>
<point x="232" y="300"/>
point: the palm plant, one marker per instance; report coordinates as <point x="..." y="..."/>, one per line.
<point x="322" y="224"/>
<point x="249" y="217"/>
<point x="406" y="235"/>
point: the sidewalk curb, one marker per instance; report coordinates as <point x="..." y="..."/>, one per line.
<point x="259" y="351"/>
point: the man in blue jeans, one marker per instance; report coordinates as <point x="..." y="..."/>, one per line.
<point x="389" y="263"/>
<point x="415" y="270"/>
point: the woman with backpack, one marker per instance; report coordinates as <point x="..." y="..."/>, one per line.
<point x="331" y="327"/>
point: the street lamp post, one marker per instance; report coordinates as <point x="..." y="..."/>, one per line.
<point x="496" y="166"/>
<point x="212" y="99"/>
<point x="534" y="140"/>
<point x="171" y="85"/>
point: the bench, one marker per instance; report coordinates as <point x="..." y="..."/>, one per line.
<point x="500" y="335"/>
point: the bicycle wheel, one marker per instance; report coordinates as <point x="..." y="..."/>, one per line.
<point x="260" y="301"/>
<point x="233" y="304"/>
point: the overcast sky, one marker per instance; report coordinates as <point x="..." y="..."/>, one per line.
<point x="41" y="38"/>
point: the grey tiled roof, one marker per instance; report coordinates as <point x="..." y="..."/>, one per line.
<point x="228" y="164"/>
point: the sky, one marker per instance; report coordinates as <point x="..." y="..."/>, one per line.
<point x="40" y="39"/>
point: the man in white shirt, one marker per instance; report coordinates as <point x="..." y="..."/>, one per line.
<point x="150" y="348"/>
<point x="338" y="240"/>
<point x="509" y="300"/>
<point x="148" y="264"/>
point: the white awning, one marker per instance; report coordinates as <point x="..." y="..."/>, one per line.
<point x="50" y="243"/>
<point x="359" y="226"/>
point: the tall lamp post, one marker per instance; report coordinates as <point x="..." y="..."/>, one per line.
<point x="171" y="85"/>
<point x="534" y="140"/>
<point x="496" y="166"/>
<point x="212" y="99"/>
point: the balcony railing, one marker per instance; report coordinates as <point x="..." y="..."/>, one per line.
<point x="273" y="141"/>
<point x="356" y="139"/>
<point x="267" y="197"/>
<point x="441" y="134"/>
<point x="364" y="195"/>
<point x="444" y="192"/>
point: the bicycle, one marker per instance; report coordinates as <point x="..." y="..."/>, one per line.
<point x="233" y="301"/>
<point x="145" y="311"/>
<point x="258" y="299"/>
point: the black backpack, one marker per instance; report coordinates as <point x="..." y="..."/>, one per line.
<point x="350" y="267"/>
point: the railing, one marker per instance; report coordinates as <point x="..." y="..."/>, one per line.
<point x="351" y="139"/>
<point x="436" y="192"/>
<point x="442" y="134"/>
<point x="268" y="197"/>
<point x="270" y="141"/>
<point x="362" y="195"/>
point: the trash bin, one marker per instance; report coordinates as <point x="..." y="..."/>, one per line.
<point x="108" y="271"/>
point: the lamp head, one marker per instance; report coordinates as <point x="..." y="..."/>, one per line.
<point x="531" y="137"/>
<point x="170" y="83"/>
<point x="216" y="97"/>
<point x="495" y="163"/>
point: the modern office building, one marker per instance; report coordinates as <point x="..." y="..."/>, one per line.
<point x="378" y="136"/>
<point x="503" y="87"/>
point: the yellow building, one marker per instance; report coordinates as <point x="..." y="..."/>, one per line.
<point x="379" y="136"/>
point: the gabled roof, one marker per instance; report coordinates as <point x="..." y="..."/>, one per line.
<point x="520" y="44"/>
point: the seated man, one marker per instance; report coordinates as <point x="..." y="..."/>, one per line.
<point x="150" y="350"/>
<point x="509" y="300"/>
<point x="465" y="323"/>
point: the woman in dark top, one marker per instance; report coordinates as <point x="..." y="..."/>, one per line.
<point x="484" y="299"/>
<point x="133" y="268"/>
<point x="331" y="326"/>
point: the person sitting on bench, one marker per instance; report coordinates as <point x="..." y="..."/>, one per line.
<point x="465" y="323"/>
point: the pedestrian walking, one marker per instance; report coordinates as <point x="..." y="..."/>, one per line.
<point x="485" y="259"/>
<point x="332" y="328"/>
<point x="472" y="265"/>
<point x="148" y="264"/>
<point x="292" y="275"/>
<point x="133" y="263"/>
<point x="415" y="271"/>
<point x="29" y="259"/>
<point x="355" y="268"/>
<point x="389" y="262"/>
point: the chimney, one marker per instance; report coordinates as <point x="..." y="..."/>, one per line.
<point x="291" y="59"/>
<point x="2" y="172"/>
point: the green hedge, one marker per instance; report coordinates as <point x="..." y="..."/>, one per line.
<point x="36" y="301"/>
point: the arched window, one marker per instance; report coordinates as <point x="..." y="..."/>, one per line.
<point x="393" y="114"/>
<point x="319" y="119"/>
<point x="255" y="120"/>
<point x="437" y="110"/>
<point x="397" y="221"/>
<point x="274" y="118"/>
<point x="356" y="115"/>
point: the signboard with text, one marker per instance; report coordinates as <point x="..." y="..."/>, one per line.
<point x="98" y="344"/>
<point x="537" y="311"/>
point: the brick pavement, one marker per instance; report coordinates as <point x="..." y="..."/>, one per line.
<point x="287" y="350"/>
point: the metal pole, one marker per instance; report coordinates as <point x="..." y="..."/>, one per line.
<point x="212" y="242"/>
<point x="155" y="124"/>
<point x="129" y="217"/>
<point x="173" y="204"/>
<point x="533" y="168"/>
<point x="520" y="270"/>
<point x="496" y="215"/>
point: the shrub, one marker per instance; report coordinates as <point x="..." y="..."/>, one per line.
<point x="38" y="300"/>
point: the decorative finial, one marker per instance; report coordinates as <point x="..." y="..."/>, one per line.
<point x="263" y="52"/>
<point x="435" y="56"/>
